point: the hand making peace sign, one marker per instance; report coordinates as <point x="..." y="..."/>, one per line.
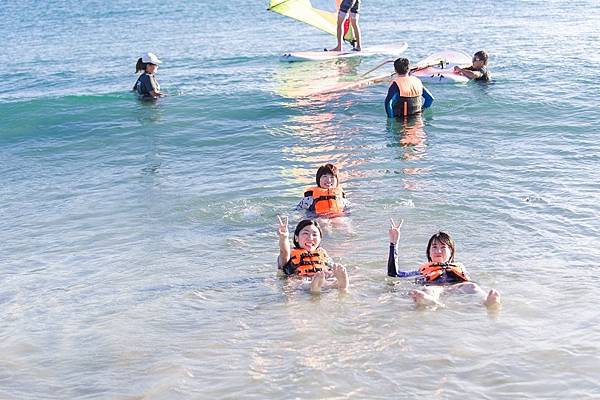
<point x="282" y="230"/>
<point x="395" y="231"/>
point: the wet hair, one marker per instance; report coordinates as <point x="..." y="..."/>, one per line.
<point x="482" y="55"/>
<point x="326" y="169"/>
<point x="444" y="238"/>
<point x="303" y="224"/>
<point x="401" y="66"/>
<point x="140" y="65"/>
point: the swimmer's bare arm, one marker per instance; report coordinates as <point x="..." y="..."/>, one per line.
<point x="468" y="73"/>
<point x="157" y="94"/>
<point x="284" y="242"/>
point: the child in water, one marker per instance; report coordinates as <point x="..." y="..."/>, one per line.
<point x="307" y="258"/>
<point x="327" y="198"/>
<point x="440" y="273"/>
<point x="147" y="86"/>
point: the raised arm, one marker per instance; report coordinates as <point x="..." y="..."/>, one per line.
<point x="394" y="234"/>
<point x="392" y="266"/>
<point x="284" y="242"/>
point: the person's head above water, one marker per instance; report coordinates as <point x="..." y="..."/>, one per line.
<point x="308" y="235"/>
<point x="327" y="176"/>
<point x="401" y="66"/>
<point x="440" y="248"/>
<point x="480" y="57"/>
<point x="148" y="63"/>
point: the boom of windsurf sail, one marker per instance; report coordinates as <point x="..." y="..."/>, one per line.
<point x="303" y="11"/>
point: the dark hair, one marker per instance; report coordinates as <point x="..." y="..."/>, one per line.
<point x="140" y="65"/>
<point x="482" y="55"/>
<point x="301" y="225"/>
<point x="326" y="169"/>
<point x="444" y="238"/>
<point x="401" y="65"/>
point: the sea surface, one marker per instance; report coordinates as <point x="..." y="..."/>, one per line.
<point x="138" y="240"/>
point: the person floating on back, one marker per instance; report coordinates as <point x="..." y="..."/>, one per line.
<point x="406" y="95"/>
<point x="308" y="259"/>
<point x="440" y="273"/>
<point x="327" y="199"/>
<point x="147" y="86"/>
<point x="345" y="6"/>
<point x="478" y="69"/>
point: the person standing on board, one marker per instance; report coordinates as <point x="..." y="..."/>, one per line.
<point x="345" y="6"/>
<point x="478" y="70"/>
<point x="406" y="93"/>
<point x="147" y="86"/>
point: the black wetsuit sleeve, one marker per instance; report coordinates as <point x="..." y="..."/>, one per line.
<point x="393" y="266"/>
<point x="288" y="268"/>
<point x="391" y="99"/>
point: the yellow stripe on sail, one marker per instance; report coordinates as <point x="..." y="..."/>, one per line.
<point x="303" y="11"/>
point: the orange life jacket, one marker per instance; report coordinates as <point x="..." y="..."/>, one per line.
<point x="326" y="201"/>
<point x="411" y="92"/>
<point x="306" y="263"/>
<point x="432" y="271"/>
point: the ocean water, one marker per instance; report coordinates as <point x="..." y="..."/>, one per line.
<point x="138" y="240"/>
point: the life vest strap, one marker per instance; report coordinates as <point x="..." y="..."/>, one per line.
<point x="328" y="197"/>
<point x="303" y="262"/>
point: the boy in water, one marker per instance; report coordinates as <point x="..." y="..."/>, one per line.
<point x="406" y="95"/>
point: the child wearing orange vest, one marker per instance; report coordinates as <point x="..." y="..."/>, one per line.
<point x="307" y="259"/>
<point x="440" y="273"/>
<point x="327" y="198"/>
<point x="406" y="95"/>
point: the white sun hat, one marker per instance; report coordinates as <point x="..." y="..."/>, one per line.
<point x="150" y="58"/>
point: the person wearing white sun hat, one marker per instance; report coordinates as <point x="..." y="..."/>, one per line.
<point x="147" y="86"/>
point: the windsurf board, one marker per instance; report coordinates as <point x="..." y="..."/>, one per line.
<point x="385" y="49"/>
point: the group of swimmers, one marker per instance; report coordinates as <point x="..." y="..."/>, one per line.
<point x="307" y="260"/>
<point x="310" y="263"/>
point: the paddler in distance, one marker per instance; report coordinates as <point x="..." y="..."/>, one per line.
<point x="406" y="95"/>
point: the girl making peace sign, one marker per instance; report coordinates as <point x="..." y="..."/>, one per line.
<point x="308" y="259"/>
<point x="440" y="273"/>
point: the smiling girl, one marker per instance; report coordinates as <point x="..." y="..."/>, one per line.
<point x="327" y="199"/>
<point x="308" y="259"/>
<point x="439" y="273"/>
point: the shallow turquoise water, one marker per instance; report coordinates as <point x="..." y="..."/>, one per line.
<point x="138" y="240"/>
